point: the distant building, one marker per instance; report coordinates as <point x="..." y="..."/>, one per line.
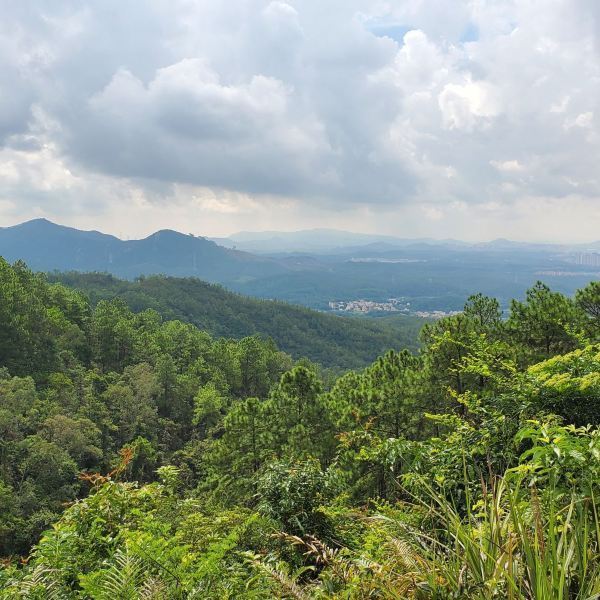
<point x="588" y="259"/>
<point x="367" y="306"/>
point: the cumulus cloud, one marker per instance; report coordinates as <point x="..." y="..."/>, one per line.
<point x="358" y="113"/>
<point x="468" y="105"/>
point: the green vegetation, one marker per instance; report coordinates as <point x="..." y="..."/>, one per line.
<point x="141" y="458"/>
<point x="332" y="341"/>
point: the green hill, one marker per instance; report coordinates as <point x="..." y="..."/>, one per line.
<point x="47" y="246"/>
<point x="333" y="341"/>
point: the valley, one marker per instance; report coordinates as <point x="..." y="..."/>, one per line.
<point x="433" y="276"/>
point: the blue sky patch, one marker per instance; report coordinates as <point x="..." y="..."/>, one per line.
<point x="470" y="34"/>
<point x="394" y="31"/>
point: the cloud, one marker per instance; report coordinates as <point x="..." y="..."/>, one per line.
<point x="507" y="166"/>
<point x="354" y="107"/>
<point x="468" y="105"/>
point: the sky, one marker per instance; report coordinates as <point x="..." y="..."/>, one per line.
<point x="471" y="119"/>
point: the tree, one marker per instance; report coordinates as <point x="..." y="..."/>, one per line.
<point x="569" y="385"/>
<point x="209" y="407"/>
<point x="292" y="492"/>
<point x="113" y="335"/>
<point x="588" y="300"/>
<point x="447" y="343"/>
<point x="258" y="369"/>
<point x="246" y="435"/>
<point x="132" y="404"/>
<point x="166" y="379"/>
<point x="297" y="415"/>
<point x="544" y="324"/>
<point x="27" y="343"/>
<point x="391" y="390"/>
<point x="79" y="437"/>
<point x="485" y="312"/>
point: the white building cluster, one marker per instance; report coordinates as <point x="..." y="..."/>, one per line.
<point x="367" y="306"/>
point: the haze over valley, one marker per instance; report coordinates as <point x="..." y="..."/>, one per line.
<point x="317" y="268"/>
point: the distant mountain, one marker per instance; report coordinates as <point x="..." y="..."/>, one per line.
<point x="342" y="266"/>
<point x="46" y="246"/>
<point x="333" y="241"/>
<point x="313" y="240"/>
<point x="333" y="341"/>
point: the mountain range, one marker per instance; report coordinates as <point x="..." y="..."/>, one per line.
<point x="315" y="240"/>
<point x="316" y="267"/>
<point x="334" y="241"/>
<point x="46" y="246"/>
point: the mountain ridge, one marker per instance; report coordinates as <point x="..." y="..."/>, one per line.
<point x="47" y="246"/>
<point x="323" y="240"/>
<point x="425" y="275"/>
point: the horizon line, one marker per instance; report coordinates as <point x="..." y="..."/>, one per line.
<point x="311" y="230"/>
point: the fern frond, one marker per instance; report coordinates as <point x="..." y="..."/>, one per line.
<point x="42" y="582"/>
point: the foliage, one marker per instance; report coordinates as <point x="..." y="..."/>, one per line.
<point x="330" y="340"/>
<point x="588" y="300"/>
<point x="141" y="458"/>
<point x="545" y="324"/>
<point x="291" y="493"/>
<point x="569" y="385"/>
<point x="79" y="383"/>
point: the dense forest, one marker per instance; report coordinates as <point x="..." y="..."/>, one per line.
<point x="142" y="458"/>
<point x="330" y="340"/>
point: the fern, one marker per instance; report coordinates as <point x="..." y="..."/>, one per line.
<point x="123" y="579"/>
<point x="42" y="583"/>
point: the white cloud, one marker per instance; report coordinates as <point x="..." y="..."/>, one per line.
<point x="466" y="106"/>
<point x="330" y="112"/>
<point x="584" y="120"/>
<point x="507" y="166"/>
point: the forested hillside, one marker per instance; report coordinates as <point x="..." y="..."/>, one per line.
<point x="330" y="340"/>
<point x="142" y="458"/>
<point x="46" y="246"/>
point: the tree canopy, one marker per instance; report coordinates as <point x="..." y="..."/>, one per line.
<point x="144" y="458"/>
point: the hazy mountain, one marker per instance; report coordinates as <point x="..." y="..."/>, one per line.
<point x="46" y="246"/>
<point x="343" y="266"/>
<point x="333" y="241"/>
<point x="311" y="240"/>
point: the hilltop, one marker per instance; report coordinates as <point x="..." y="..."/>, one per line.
<point x="333" y="341"/>
<point x="46" y="246"/>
